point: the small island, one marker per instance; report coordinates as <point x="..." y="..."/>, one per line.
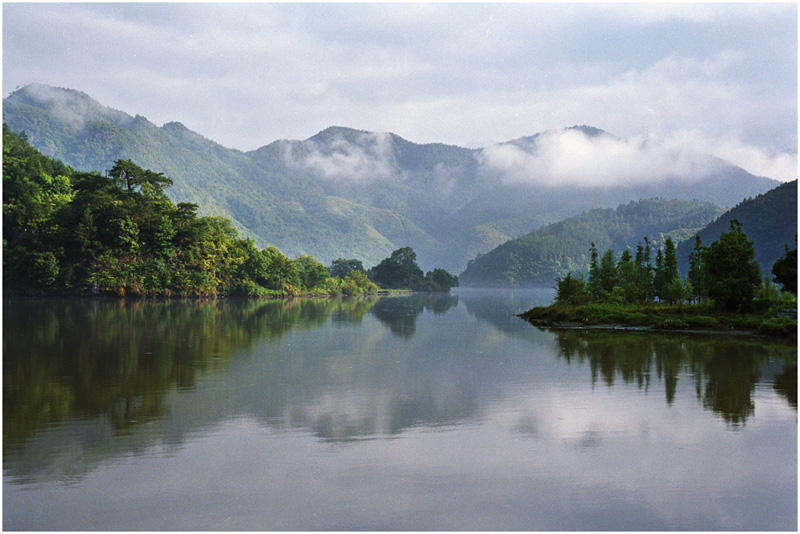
<point x="723" y="291"/>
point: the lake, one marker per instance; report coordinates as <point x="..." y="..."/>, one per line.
<point x="418" y="412"/>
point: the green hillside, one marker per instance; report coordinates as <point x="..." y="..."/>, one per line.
<point x="73" y="233"/>
<point x="544" y="254"/>
<point x="768" y="220"/>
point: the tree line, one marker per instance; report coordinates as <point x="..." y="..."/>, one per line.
<point x="563" y="246"/>
<point x="118" y="233"/>
<point x="724" y="274"/>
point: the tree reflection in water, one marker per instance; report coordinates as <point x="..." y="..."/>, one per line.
<point x="400" y="314"/>
<point x="118" y="358"/>
<point x="725" y="371"/>
<point x="786" y="383"/>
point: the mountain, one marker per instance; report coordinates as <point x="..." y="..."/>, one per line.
<point x="357" y="194"/>
<point x="539" y="257"/>
<point x="768" y="220"/>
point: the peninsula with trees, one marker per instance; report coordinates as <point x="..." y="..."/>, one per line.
<point x="82" y="233"/>
<point x="722" y="291"/>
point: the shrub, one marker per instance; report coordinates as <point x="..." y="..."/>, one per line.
<point x="672" y="323"/>
<point x="571" y="290"/>
<point x="356" y="283"/>
<point x="248" y="288"/>
<point x="778" y="327"/>
<point x="311" y="272"/>
<point x="332" y="286"/>
<point x="703" y="321"/>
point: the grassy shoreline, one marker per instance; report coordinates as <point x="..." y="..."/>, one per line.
<point x="695" y="318"/>
<point x="267" y="294"/>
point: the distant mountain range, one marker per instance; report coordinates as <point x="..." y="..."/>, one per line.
<point x="356" y="194"/>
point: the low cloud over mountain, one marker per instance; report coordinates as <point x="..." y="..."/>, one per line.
<point x="357" y="194"/>
<point x="332" y="155"/>
<point x="573" y="157"/>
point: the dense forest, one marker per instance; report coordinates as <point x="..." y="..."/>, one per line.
<point x="69" y="232"/>
<point x="553" y="251"/>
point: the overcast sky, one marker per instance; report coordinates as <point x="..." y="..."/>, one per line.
<point x="721" y="77"/>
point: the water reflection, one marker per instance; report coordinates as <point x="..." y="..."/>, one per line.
<point x="725" y="371"/>
<point x="400" y="314"/>
<point x="117" y="358"/>
<point x="786" y="383"/>
<point x="500" y="307"/>
<point x="341" y="369"/>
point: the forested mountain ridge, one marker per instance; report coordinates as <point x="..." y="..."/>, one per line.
<point x="73" y="233"/>
<point x="559" y="248"/>
<point x="351" y="193"/>
<point x="769" y="221"/>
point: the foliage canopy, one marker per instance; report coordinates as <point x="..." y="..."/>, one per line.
<point x="118" y="233"/>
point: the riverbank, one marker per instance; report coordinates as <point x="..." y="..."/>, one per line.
<point x="690" y="319"/>
<point x="268" y="294"/>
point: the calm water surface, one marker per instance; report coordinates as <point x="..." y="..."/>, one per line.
<point x="391" y="413"/>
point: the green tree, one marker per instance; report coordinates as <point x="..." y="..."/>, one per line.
<point x="441" y="280"/>
<point x="340" y="267"/>
<point x="125" y="174"/>
<point x="673" y="291"/>
<point x="643" y="272"/>
<point x="785" y="270"/>
<point x="132" y="178"/>
<point x="120" y="233"/>
<point x="163" y="236"/>
<point x="593" y="284"/>
<point x="732" y="274"/>
<point x="687" y="291"/>
<point x="400" y="270"/>
<point x="670" y="260"/>
<point x="626" y="271"/>
<point x="697" y="272"/>
<point x="30" y="268"/>
<point x="648" y="273"/>
<point x="310" y="271"/>
<point x="666" y="272"/>
<point x="271" y="269"/>
<point x="37" y="192"/>
<point x="658" y="276"/>
<point x="570" y="290"/>
<point x="607" y="273"/>
<point x="282" y="272"/>
<point x="357" y="283"/>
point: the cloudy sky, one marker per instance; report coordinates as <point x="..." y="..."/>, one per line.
<point x="721" y="78"/>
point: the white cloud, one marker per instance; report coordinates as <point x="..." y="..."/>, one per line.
<point x="755" y="160"/>
<point x="570" y="157"/>
<point x="370" y="157"/>
<point x="649" y="13"/>
<point x="68" y="109"/>
<point x="467" y="74"/>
